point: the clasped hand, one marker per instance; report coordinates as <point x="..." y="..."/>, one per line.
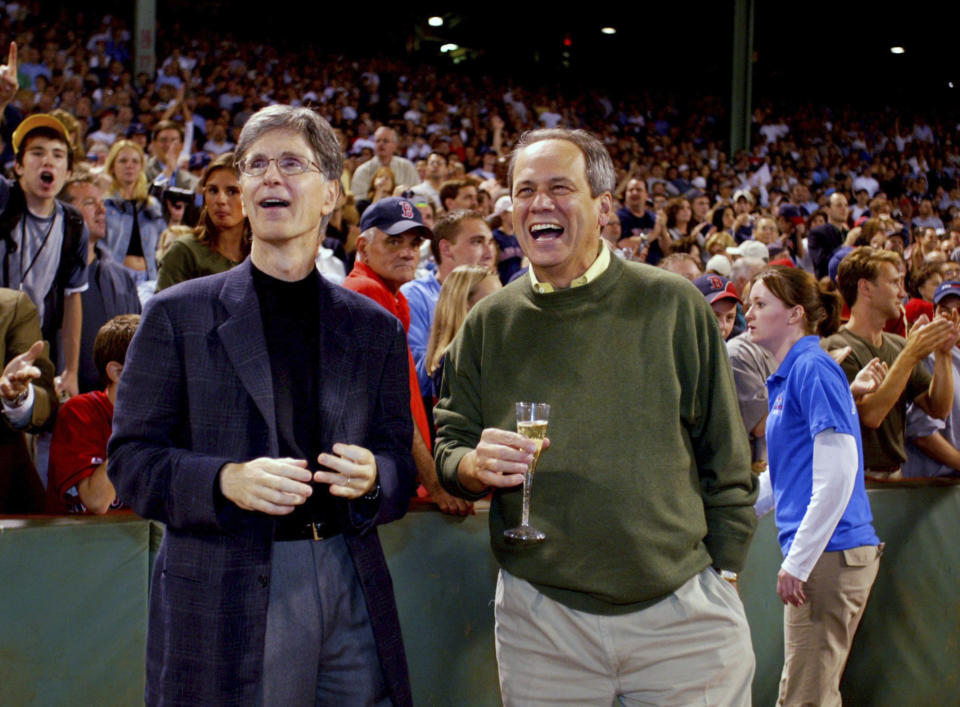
<point x="277" y="486"/>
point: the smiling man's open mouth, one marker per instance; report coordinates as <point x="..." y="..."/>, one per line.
<point x="541" y="231"/>
<point x="274" y="203"/>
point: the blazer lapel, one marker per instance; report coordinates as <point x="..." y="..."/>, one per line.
<point x="243" y="340"/>
<point x="336" y="360"/>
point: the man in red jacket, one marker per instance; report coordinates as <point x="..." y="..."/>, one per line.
<point x="387" y="254"/>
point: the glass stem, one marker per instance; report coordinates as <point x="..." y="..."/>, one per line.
<point x="527" y="486"/>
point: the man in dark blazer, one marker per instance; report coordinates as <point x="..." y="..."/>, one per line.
<point x="263" y="416"/>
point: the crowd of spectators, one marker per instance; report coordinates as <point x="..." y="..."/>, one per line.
<point x="814" y="184"/>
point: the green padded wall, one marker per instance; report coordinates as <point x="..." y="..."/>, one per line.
<point x="73" y="598"/>
<point x="73" y="613"/>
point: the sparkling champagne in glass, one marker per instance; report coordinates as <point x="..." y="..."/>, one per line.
<point x="532" y="421"/>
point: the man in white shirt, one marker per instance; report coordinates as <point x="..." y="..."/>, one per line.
<point x="436" y="174"/>
<point x="385" y="147"/>
<point x="866" y="181"/>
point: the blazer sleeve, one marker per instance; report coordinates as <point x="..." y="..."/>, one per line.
<point x="390" y="438"/>
<point x="21" y="333"/>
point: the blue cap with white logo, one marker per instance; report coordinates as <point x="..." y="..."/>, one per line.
<point x="947" y="289"/>
<point x="394" y="215"/>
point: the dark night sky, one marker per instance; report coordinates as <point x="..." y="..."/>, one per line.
<point x="811" y="51"/>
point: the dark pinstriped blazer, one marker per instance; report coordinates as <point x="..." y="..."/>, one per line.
<point x="196" y="393"/>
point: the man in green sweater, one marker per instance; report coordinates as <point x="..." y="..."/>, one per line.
<point x="644" y="489"/>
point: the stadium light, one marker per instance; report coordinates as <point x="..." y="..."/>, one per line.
<point x="897" y="50"/>
<point x="609" y="30"/>
<point x="435" y="21"/>
<point x="449" y="48"/>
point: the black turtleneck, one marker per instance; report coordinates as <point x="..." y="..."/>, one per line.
<point x="290" y="312"/>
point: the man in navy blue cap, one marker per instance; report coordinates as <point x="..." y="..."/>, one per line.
<point x="933" y="445"/>
<point x="391" y="232"/>
<point x="723" y="299"/>
<point x="388" y="251"/>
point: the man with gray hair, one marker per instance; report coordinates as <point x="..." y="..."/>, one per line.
<point x="384" y="149"/>
<point x="743" y="270"/>
<point x="643" y="492"/>
<point x="111" y="290"/>
<point x="263" y="416"/>
<point x="387" y="252"/>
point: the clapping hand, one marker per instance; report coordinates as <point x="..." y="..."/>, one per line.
<point x="868" y="378"/>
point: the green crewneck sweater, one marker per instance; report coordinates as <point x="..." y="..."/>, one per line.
<point x="647" y="479"/>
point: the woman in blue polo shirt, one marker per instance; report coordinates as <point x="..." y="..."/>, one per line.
<point x="815" y="483"/>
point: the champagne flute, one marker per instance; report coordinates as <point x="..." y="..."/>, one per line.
<point x="532" y="421"/>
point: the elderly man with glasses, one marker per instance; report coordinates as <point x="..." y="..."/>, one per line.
<point x="264" y="417"/>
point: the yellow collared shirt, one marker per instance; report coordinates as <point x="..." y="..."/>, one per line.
<point x="599" y="266"/>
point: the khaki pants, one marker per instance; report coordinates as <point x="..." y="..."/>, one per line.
<point x="818" y="635"/>
<point x="691" y="648"/>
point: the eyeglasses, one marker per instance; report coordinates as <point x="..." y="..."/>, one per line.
<point x="289" y="165"/>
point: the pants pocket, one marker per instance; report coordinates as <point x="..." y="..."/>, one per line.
<point x="861" y="556"/>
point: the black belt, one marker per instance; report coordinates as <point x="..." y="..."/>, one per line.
<point x="308" y="530"/>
